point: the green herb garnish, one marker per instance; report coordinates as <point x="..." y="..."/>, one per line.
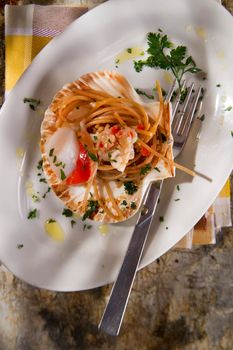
<point x="141" y="92"/>
<point x="95" y="137"/>
<point x="228" y="109"/>
<point x="32" y="214"/>
<point x="40" y="164"/>
<point x="63" y="176"/>
<point x="50" y="221"/>
<point x="161" y="219"/>
<point x="48" y="190"/>
<point x="183" y="94"/>
<point x="51" y="152"/>
<point x="130" y="187"/>
<point x="43" y="180"/>
<point x="35" y="198"/>
<point x="202" y="117"/>
<point x="177" y="199"/>
<point x="157" y="169"/>
<point x="92" y="156"/>
<point x="67" y="212"/>
<point x="73" y="223"/>
<point x="163" y="54"/>
<point x="86" y="226"/>
<point x="145" y="169"/>
<point x="133" y="205"/>
<point x="33" y="103"/>
<point x="92" y="208"/>
<point x="124" y="202"/>
<point x="129" y="50"/>
<point x="218" y="85"/>
<point x="58" y="164"/>
<point x="232" y="133"/>
<point x="178" y="188"/>
<point x="20" y="246"/>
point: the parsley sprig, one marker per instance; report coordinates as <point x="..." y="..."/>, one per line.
<point x="163" y="54"/>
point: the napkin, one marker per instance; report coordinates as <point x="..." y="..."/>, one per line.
<point x="27" y="30"/>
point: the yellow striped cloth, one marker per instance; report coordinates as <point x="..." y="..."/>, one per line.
<point x="27" y="30"/>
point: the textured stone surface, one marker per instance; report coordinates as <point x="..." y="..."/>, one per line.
<point x="181" y="301"/>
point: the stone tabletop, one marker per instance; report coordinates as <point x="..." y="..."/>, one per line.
<point x="181" y="301"/>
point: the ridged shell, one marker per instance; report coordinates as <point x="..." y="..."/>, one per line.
<point x="116" y="85"/>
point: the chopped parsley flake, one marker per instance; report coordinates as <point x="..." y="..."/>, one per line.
<point x="67" y="212"/>
<point x="141" y="92"/>
<point x="40" y="164"/>
<point x="232" y="133"/>
<point x="202" y="117"/>
<point x="35" y="197"/>
<point x="130" y="187"/>
<point x="20" y="246"/>
<point x="92" y="156"/>
<point x="218" y="85"/>
<point x="124" y="202"/>
<point x="177" y="199"/>
<point x="51" y="152"/>
<point x="33" y="103"/>
<point x="48" y="190"/>
<point x="178" y="188"/>
<point x="228" y="109"/>
<point x="32" y="214"/>
<point x="86" y="226"/>
<point x="157" y="169"/>
<point x="54" y="159"/>
<point x="58" y="164"/>
<point x="95" y="138"/>
<point x="43" y="180"/>
<point x="73" y="223"/>
<point x="129" y="50"/>
<point x="161" y="219"/>
<point x="63" y="176"/>
<point x="133" y="205"/>
<point x="92" y="208"/>
<point x="145" y="169"/>
<point x="50" y="221"/>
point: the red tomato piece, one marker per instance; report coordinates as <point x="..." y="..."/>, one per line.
<point x="140" y="127"/>
<point x="82" y="171"/>
<point x="145" y="152"/>
<point x="115" y="129"/>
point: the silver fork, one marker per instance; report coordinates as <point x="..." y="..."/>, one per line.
<point x="115" y="309"/>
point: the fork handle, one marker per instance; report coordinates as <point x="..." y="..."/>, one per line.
<point x="115" y="309"/>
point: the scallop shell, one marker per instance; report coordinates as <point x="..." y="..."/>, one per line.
<point x="116" y="85"/>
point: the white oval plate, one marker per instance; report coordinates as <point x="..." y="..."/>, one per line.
<point x="87" y="259"/>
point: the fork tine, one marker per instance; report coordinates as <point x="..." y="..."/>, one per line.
<point x="171" y="90"/>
